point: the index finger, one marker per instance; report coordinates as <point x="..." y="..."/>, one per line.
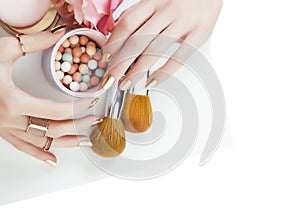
<point x="49" y="109"/>
<point x="12" y="49"/>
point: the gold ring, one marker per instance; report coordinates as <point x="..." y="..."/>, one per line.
<point x="21" y="44"/>
<point x="48" y="144"/>
<point x="37" y="126"/>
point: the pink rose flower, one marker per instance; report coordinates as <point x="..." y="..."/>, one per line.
<point x="97" y="14"/>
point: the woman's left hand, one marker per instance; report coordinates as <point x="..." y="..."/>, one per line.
<point x="148" y="28"/>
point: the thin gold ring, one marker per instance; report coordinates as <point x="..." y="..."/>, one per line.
<point x="48" y="144"/>
<point x="21" y="44"/>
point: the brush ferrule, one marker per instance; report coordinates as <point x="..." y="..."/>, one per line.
<point x="117" y="105"/>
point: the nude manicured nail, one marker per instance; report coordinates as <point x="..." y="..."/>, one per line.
<point x="96" y="122"/>
<point x="94" y="102"/>
<point x="126" y="84"/>
<point x="106" y="57"/>
<point x="58" y="28"/>
<point x="51" y="162"/>
<point x="108" y="82"/>
<point x="151" y="84"/>
<point x="85" y="144"/>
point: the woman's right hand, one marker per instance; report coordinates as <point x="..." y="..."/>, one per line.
<point x="16" y="106"/>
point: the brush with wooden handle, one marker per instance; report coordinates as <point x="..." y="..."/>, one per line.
<point x="137" y="111"/>
<point x="108" y="137"/>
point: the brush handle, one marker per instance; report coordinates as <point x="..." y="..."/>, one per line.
<point x="117" y="105"/>
<point x="111" y="96"/>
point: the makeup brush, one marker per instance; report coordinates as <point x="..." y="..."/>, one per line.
<point x="108" y="137"/>
<point x="137" y="111"/>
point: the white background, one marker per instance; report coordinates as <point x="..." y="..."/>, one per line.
<point x="255" y="48"/>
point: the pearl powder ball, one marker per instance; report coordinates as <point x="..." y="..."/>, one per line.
<point x="94" y="81"/>
<point x="83" y="40"/>
<point x="57" y="65"/>
<point x="60" y="75"/>
<point x="83" y="68"/>
<point x="90" y="50"/>
<point x="66" y="66"/>
<point x="92" y="64"/>
<point x="67" y="79"/>
<point x="66" y="44"/>
<point x="86" y="78"/>
<point x="99" y="72"/>
<point x="74" y="86"/>
<point x="58" y="56"/>
<point x="83" y="86"/>
<point x="74" y="39"/>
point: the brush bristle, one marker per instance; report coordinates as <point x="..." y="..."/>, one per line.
<point x="108" y="138"/>
<point x="137" y="113"/>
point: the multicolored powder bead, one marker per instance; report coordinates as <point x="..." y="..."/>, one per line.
<point x="83" y="40"/>
<point x="67" y="57"/>
<point x="83" y="86"/>
<point x="84" y="58"/>
<point x="74" y="39"/>
<point x="92" y="64"/>
<point x="94" y="81"/>
<point x="77" y="77"/>
<point x="57" y="65"/>
<point x="66" y="43"/>
<point x="78" y="63"/>
<point x="86" y="78"/>
<point x="67" y="79"/>
<point x="99" y="72"/>
<point x="66" y="66"/>
<point x="83" y="68"/>
<point x="74" y="86"/>
<point x="60" y="75"/>
<point x="58" y="56"/>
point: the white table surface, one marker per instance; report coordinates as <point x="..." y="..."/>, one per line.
<point x="24" y="177"/>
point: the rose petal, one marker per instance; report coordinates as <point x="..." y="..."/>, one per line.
<point x="102" y="6"/>
<point x="90" y="13"/>
<point x="106" y="24"/>
<point x="77" y="6"/>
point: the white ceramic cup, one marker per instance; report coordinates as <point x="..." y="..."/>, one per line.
<point x="48" y="62"/>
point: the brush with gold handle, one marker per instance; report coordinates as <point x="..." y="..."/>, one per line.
<point x="137" y="111"/>
<point x="108" y="137"/>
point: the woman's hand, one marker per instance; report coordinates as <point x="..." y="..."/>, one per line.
<point x="149" y="28"/>
<point x="16" y="106"/>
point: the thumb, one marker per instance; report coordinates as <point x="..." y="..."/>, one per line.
<point x="31" y="43"/>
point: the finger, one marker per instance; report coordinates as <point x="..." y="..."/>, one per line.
<point x="49" y="109"/>
<point x="126" y="12"/>
<point x="30" y="149"/>
<point x="155" y="50"/>
<point x="127" y="25"/>
<point x="177" y="60"/>
<point x="57" y="128"/>
<point x="60" y="142"/>
<point x="32" y="43"/>
<point x="136" y="44"/>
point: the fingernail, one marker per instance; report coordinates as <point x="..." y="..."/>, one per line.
<point x="94" y="102"/>
<point x="58" y="28"/>
<point x="51" y="163"/>
<point x="151" y="84"/>
<point x="126" y="84"/>
<point x="108" y="82"/>
<point x="85" y="144"/>
<point x="106" y="57"/>
<point x="97" y="122"/>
